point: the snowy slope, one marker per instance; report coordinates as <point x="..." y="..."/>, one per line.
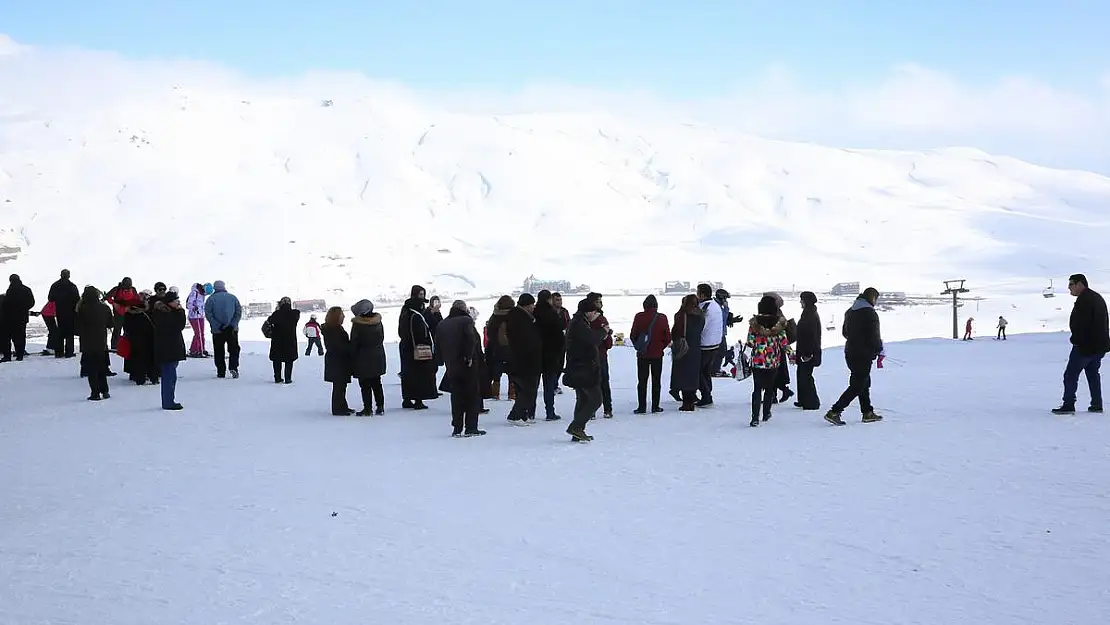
<point x="969" y="504"/>
<point x="331" y="185"/>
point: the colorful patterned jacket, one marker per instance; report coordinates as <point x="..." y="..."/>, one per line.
<point x="769" y="345"/>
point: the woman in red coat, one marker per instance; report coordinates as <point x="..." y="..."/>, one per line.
<point x="651" y="333"/>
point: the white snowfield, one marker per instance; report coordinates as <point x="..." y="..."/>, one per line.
<point x="970" y="503"/>
<point x="334" y="185"/>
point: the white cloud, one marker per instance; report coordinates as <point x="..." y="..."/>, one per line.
<point x="913" y="107"/>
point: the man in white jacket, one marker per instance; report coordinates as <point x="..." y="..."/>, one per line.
<point x="711" y="336"/>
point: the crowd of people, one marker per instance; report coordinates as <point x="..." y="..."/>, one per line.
<point x="537" y="343"/>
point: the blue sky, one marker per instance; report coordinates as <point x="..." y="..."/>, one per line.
<point x="683" y="48"/>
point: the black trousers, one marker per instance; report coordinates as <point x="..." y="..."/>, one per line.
<point x="606" y="390"/>
<point x="283" y="367"/>
<point x="225" y="343"/>
<point x="466" y="401"/>
<point x="782" y="380"/>
<point x="527" y="394"/>
<point x="764" y="390"/>
<point x="646" y="367"/>
<point x="96" y="369"/>
<point x="372" y="392"/>
<point x="705" y="381"/>
<point x="51" y="332"/>
<point x="586" y="402"/>
<point x="13" y="339"/>
<point x="1001" y="333"/>
<point x="339" y="405"/>
<point x="859" y="386"/>
<point x="117" y="329"/>
<point x="807" y="387"/>
<point x="314" y="342"/>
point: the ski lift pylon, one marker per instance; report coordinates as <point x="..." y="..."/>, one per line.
<point x="1049" y="291"/>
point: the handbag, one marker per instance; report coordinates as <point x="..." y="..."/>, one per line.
<point x="679" y="347"/>
<point x="422" y="353"/>
<point x="641" y="343"/>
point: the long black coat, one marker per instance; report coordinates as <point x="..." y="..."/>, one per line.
<point x="552" y="339"/>
<point x="18" y="302"/>
<point x="583" y="368"/>
<point x="139" y="330"/>
<point x="809" y="336"/>
<point x="686" y="371"/>
<point x="337" y="357"/>
<point x="368" y="346"/>
<point x="525" y="345"/>
<point x="283" y="340"/>
<point x="169" y="345"/>
<point x="92" y="323"/>
<point x="65" y="297"/>
<point x="418" y="377"/>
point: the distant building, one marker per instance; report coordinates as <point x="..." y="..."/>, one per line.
<point x="893" y="296"/>
<point x="845" y="289"/>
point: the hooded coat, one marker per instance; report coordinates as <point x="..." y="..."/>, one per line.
<point x="368" y="346"/>
<point x="418" y="377"/>
<point x="338" y="355"/>
<point x="283" y="341"/>
<point x="808" y="346"/>
<point x="767" y="340"/>
<point x="18" y="302"/>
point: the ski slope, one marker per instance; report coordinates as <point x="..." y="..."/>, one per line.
<point x="970" y="503"/>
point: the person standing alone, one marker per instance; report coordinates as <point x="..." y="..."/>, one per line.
<point x="863" y="345"/>
<point x="1090" y="340"/>
<point x="223" y="312"/>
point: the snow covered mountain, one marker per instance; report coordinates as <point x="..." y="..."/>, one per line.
<point x="338" y="186"/>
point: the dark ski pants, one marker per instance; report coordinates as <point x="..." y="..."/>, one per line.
<point x="764" y="390"/>
<point x="719" y="357"/>
<point x="859" y="385"/>
<point x="606" y="390"/>
<point x="466" y="401"/>
<point x="586" y="402"/>
<point x="117" y="330"/>
<point x="1001" y="334"/>
<point x="807" y="387"/>
<point x="285" y="368"/>
<point x="96" y="369"/>
<point x="13" y="339"/>
<point x="314" y="342"/>
<point x="372" y="392"/>
<point x="225" y="343"/>
<point x="169" y="384"/>
<point x="705" y="381"/>
<point x="339" y="406"/>
<point x="1083" y="363"/>
<point x="648" y="367"/>
<point x="51" y="333"/>
<point x="527" y="389"/>
<point x="550" y="383"/>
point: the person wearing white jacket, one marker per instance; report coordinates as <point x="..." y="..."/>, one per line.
<point x="194" y="307"/>
<point x="711" y="336"/>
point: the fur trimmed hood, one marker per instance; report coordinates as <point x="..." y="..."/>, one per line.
<point x="760" y="329"/>
<point x="368" y="320"/>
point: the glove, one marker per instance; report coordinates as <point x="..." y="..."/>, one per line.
<point x="792" y="359"/>
<point x="879" y="361"/>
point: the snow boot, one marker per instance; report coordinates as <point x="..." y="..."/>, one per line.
<point x="379" y="411"/>
<point x="473" y="433"/>
<point x="1094" y="408"/>
<point x="656" y="410"/>
<point x="833" y="417"/>
<point x="786" y="394"/>
<point x="457" y="433"/>
<point x="579" y="436"/>
<point x="871" y="417"/>
<point x="1064" y="409"/>
<point x="755" y="421"/>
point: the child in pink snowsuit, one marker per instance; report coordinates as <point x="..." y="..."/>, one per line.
<point x="195" y="311"/>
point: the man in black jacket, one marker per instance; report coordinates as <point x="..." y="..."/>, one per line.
<point x="808" y="350"/>
<point x="1090" y="340"/>
<point x="863" y="344"/>
<point x="549" y="323"/>
<point x="18" y="302"/>
<point x="525" y="359"/>
<point x="65" y="297"/>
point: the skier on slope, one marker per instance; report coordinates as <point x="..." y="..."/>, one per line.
<point x="312" y="333"/>
<point x="967" y="329"/>
<point x="1002" y="323"/>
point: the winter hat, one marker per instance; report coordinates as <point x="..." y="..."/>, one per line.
<point x="525" y="299"/>
<point x="219" y="285"/>
<point x="285" y="301"/>
<point x="651" y="302"/>
<point x="363" y="308"/>
<point x="767" y="306"/>
<point x="146" y="293"/>
<point x="170" y="297"/>
<point x="418" y="292"/>
<point x="586" y="306"/>
<point x="159" y="286"/>
<point x="173" y="289"/>
<point x="809" y="298"/>
<point x="14" y="278"/>
<point x="312" y="317"/>
<point x="776" y="296"/>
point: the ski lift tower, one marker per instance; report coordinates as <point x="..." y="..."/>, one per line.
<point x="955" y="290"/>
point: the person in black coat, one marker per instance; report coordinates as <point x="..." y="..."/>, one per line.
<point x="686" y="376"/>
<point x="461" y="347"/>
<point x="863" y="344"/>
<point x="283" y="340"/>
<point x="337" y="360"/>
<point x="18" y="302"/>
<point x="497" y="345"/>
<point x="553" y="349"/>
<point x="65" y="297"/>
<point x="1090" y="340"/>
<point x="808" y="351"/>
<point x="167" y="315"/>
<point x="583" y="370"/>
<point x="417" y="351"/>
<point x="434" y="316"/>
<point x="368" y="356"/>
<point x="138" y="330"/>
<point x="525" y="359"/>
<point x="92" y="320"/>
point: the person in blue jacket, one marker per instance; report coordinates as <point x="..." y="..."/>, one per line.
<point x="223" y="312"/>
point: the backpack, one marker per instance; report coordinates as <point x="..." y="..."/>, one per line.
<point x="641" y="343"/>
<point x="268" y="329"/>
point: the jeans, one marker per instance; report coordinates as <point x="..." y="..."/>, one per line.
<point x="586" y="402"/>
<point x="550" y="381"/>
<point x="169" y="383"/>
<point x="859" y="385"/>
<point x="648" y="367"/>
<point x="1081" y="363"/>
<point x="228" y="341"/>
